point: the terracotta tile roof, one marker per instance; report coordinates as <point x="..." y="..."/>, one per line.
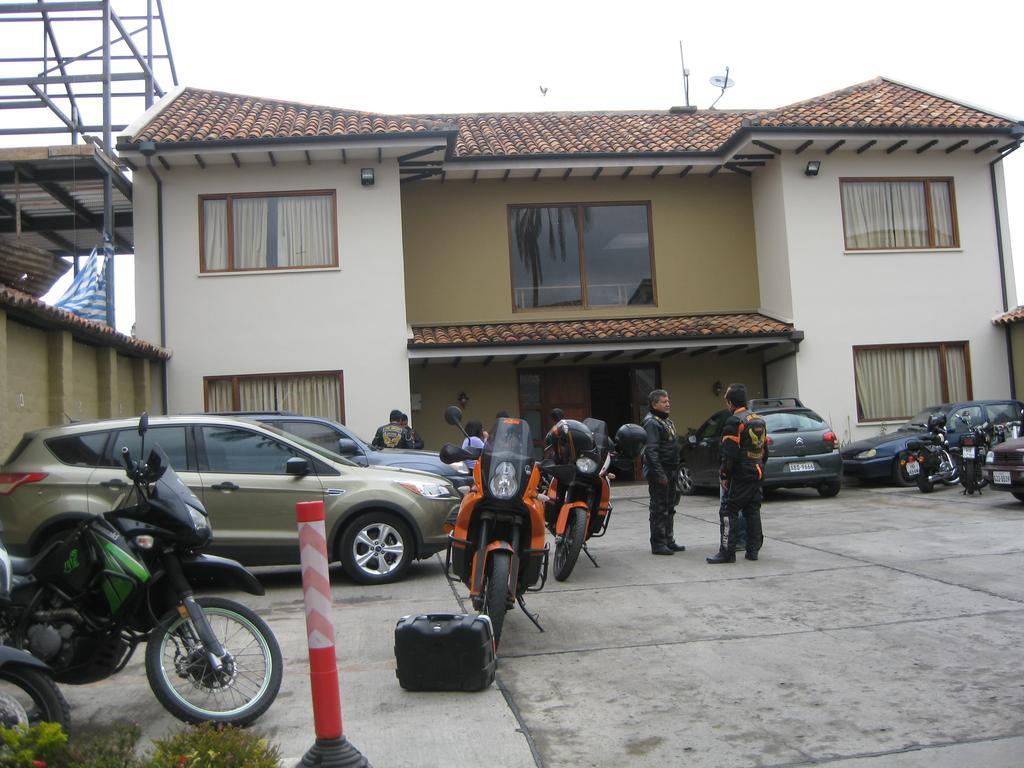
<point x="1009" y="318"/>
<point x="200" y="115"/>
<point x="679" y="328"/>
<point x="30" y="269"/>
<point x="555" y="133"/>
<point x="197" y="115"/>
<point x="879" y="103"/>
<point x="19" y="304"/>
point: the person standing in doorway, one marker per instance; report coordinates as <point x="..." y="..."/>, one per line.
<point x="744" y="450"/>
<point x="661" y="459"/>
<point x="412" y="437"/>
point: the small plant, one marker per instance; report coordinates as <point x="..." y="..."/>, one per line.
<point x="36" y="747"/>
<point x="209" y="746"/>
<point x="114" y="748"/>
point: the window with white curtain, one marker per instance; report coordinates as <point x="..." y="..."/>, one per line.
<point x="896" y="381"/>
<point x="319" y="393"/>
<point x="895" y="214"/>
<point x="292" y="230"/>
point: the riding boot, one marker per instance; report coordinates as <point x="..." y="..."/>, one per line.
<point x="670" y="534"/>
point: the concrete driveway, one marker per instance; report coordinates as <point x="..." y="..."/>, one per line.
<point x="879" y="628"/>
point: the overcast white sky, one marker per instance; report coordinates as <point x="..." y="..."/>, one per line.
<point x="457" y="56"/>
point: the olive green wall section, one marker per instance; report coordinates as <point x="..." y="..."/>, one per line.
<point x="457" y="260"/>
<point x="690" y="383"/>
<point x="46" y="378"/>
<point x="85" y="387"/>
<point x="1017" y="342"/>
<point x="491" y="388"/>
<point x="27" y="401"/>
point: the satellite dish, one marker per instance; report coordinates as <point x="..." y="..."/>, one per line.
<point x="722" y="81"/>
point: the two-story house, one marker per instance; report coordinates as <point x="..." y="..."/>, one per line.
<point x="851" y="249"/>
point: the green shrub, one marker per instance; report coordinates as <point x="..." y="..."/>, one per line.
<point x="34" y="747"/>
<point x="113" y="748"/>
<point x="208" y="746"/>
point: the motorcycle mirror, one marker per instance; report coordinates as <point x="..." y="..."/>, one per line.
<point x="453" y="415"/>
<point x="143" y="424"/>
<point x="451" y="453"/>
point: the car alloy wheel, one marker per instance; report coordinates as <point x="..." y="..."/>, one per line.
<point x="686" y="487"/>
<point x="376" y="548"/>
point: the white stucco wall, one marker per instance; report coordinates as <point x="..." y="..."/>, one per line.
<point x="842" y="299"/>
<point x="350" y="318"/>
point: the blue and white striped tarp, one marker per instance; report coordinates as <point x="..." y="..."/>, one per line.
<point x="87" y="294"/>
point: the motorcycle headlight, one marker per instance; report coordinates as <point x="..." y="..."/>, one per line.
<point x="199" y="520"/>
<point x="586" y="465"/>
<point x="868" y="454"/>
<point x="428" y="489"/>
<point x="504" y="483"/>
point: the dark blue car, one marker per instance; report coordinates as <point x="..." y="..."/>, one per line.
<point x="875" y="458"/>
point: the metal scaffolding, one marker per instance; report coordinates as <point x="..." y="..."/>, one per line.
<point x="115" y="68"/>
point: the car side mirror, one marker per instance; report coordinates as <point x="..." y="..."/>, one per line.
<point x="348" y="447"/>
<point x="297" y="466"/>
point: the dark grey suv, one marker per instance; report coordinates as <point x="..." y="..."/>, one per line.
<point x="340" y="439"/>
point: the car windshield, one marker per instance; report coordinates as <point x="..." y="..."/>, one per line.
<point x="920" y="421"/>
<point x="319" y="450"/>
<point x="793" y="421"/>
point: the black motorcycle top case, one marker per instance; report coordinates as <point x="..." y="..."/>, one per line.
<point x="444" y="652"/>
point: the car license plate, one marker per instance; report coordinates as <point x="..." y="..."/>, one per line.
<point x="1001" y="478"/>
<point x="802" y="466"/>
<point x="913" y="469"/>
<point x="969" y="452"/>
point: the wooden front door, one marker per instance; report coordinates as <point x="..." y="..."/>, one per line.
<point x="542" y="390"/>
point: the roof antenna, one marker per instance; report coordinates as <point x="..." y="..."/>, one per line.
<point x="723" y="82"/>
<point x="543" y="94"/>
<point x="686" y="75"/>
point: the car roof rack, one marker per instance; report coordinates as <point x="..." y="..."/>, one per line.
<point x="774" y="402"/>
<point x="252" y="413"/>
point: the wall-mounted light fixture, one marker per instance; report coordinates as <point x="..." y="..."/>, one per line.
<point x="717" y="387"/>
<point x="366" y="177"/>
<point x="462" y="399"/>
<point x="813" y="166"/>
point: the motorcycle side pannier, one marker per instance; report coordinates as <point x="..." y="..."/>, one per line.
<point x="444" y="652"/>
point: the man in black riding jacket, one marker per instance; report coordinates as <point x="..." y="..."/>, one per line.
<point x="744" y="450"/>
<point x="392" y="434"/>
<point x="661" y="458"/>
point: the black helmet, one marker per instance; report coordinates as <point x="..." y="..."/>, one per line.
<point x="568" y="440"/>
<point x="630" y="439"/>
<point x="936" y="421"/>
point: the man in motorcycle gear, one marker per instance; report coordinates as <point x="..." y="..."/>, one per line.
<point x="661" y="458"/>
<point x="392" y="434"/>
<point x="744" y="450"/>
<point x="411" y="435"/>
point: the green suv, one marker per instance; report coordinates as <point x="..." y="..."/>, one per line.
<point x="378" y="520"/>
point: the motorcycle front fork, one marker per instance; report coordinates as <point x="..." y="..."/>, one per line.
<point x="189" y="609"/>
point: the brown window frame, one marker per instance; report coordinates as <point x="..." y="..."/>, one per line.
<point x="941" y="346"/>
<point x="928" y="205"/>
<point x="578" y="212"/>
<point x="236" y="394"/>
<point x="229" y="197"/>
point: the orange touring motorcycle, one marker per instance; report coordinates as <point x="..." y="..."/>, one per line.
<point x="578" y="457"/>
<point x="497" y="546"/>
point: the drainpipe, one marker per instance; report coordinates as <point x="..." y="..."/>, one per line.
<point x="1017" y="132"/>
<point x="148" y="149"/>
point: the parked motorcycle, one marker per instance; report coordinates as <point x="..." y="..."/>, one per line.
<point x="497" y="547"/>
<point x="124" y="577"/>
<point x="28" y="694"/>
<point x="928" y="459"/>
<point x="973" y="449"/>
<point x="578" y="457"/>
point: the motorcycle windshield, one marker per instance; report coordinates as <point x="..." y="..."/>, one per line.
<point x="600" y="431"/>
<point x="174" y="496"/>
<point x="506" y="459"/>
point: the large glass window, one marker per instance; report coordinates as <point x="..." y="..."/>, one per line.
<point x="239" y="451"/>
<point x="171" y="438"/>
<point x="283" y="231"/>
<point x="581" y="255"/>
<point x="897" y="381"/>
<point x="309" y="394"/>
<point x="892" y="214"/>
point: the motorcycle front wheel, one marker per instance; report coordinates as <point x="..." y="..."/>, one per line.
<point x="496" y="597"/>
<point x="568" y="548"/>
<point x="188" y="686"/>
<point x="29" y="697"/>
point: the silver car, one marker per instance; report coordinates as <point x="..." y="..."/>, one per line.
<point x="378" y="520"/>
